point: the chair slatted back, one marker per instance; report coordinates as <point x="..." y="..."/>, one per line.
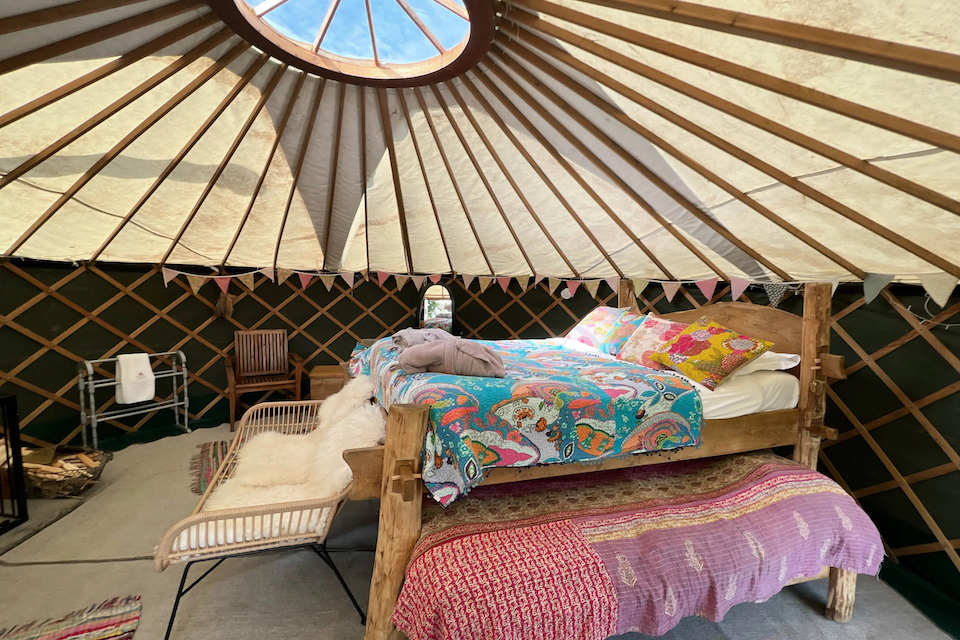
<point x="261" y="352"/>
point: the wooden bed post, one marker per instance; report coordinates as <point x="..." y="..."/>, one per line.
<point x="813" y="406"/>
<point x="399" y="529"/>
<point x="626" y="297"/>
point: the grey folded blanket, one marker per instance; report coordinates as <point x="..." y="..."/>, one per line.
<point x="410" y="337"/>
<point x="458" y="357"/>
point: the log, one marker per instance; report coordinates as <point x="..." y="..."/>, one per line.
<point x="399" y="527"/>
<point x="841" y="594"/>
<point x="815" y="341"/>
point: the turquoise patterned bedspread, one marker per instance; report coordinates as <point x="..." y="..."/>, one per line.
<point x="555" y="405"/>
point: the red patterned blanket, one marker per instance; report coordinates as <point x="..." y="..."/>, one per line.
<point x="591" y="556"/>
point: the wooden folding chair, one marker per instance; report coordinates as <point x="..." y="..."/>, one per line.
<point x="262" y="363"/>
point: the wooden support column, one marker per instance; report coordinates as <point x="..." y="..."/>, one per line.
<point x="813" y="385"/>
<point x="401" y="491"/>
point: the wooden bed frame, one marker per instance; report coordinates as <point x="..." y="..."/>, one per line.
<point x="391" y="472"/>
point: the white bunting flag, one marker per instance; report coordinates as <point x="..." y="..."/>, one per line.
<point x="538" y="278"/>
<point x="467" y="280"/>
<point x="168" y="275"/>
<point x="348" y="277"/>
<point x="614" y="283"/>
<point x="418" y="281"/>
<point x="268" y="272"/>
<point x="873" y="284"/>
<point x="939" y="286"/>
<point x="670" y="289"/>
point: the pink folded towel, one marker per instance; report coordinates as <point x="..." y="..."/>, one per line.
<point x="411" y="337"/>
<point x="458" y="357"/>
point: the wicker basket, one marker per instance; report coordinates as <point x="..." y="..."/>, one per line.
<point x="66" y="482"/>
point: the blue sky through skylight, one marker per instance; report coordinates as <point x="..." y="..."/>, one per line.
<point x="399" y="40"/>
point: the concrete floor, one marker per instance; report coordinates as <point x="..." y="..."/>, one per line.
<point x="104" y="549"/>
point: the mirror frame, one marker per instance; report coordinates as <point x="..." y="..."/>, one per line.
<point x="421" y="307"/>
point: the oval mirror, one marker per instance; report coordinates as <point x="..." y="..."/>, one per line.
<point x="436" y="308"/>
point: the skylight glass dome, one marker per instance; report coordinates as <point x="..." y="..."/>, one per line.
<point x="373" y="39"/>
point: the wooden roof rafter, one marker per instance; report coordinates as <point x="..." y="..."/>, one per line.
<point x="531" y="24"/>
<point x="287" y="111"/>
<point x="644" y="170"/>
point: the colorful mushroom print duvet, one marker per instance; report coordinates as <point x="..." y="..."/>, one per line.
<point x="555" y="405"/>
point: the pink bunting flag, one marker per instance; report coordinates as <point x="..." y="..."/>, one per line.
<point x="305" y="279"/>
<point x="572" y="286"/>
<point x="382" y="277"/>
<point x="614" y="283"/>
<point x="707" y="287"/>
<point x="328" y="279"/>
<point x="348" y="277"/>
<point x="435" y="278"/>
<point x="504" y="282"/>
<point x="168" y="275"/>
<point x="268" y="272"/>
<point x="670" y="289"/>
<point x="223" y="282"/>
<point x="538" y="278"/>
<point x="737" y="287"/>
<point x="418" y="281"/>
<point x="467" y="280"/>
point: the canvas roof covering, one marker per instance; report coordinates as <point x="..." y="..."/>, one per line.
<point x="639" y="138"/>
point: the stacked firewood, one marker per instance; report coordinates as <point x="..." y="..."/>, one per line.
<point x="64" y="473"/>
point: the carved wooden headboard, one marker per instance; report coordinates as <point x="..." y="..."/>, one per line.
<point x="783" y="329"/>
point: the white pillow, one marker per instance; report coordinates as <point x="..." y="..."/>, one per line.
<point x="769" y="361"/>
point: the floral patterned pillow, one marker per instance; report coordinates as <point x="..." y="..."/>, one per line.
<point x="595" y="326"/>
<point x="652" y="333"/>
<point x="707" y="352"/>
<point x="621" y="331"/>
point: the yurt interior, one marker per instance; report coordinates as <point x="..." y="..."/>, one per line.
<point x="479" y="319"/>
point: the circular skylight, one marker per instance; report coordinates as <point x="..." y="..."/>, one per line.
<point x="385" y="41"/>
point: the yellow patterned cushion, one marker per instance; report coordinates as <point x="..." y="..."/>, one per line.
<point x="707" y="352"/>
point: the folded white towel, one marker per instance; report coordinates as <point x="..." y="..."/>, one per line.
<point x="135" y="378"/>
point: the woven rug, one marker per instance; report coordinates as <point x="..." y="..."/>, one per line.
<point x="115" y="619"/>
<point x="204" y="465"/>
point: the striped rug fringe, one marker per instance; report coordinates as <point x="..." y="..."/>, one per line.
<point x="115" y="619"/>
<point x="204" y="465"/>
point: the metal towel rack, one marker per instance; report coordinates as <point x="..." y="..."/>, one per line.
<point x="89" y="383"/>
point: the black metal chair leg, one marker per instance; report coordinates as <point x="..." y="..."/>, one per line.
<point x="321" y="551"/>
<point x="176" y="602"/>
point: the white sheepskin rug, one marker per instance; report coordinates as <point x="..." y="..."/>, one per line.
<point x="273" y="468"/>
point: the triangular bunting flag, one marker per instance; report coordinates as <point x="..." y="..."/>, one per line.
<point x="401" y="281"/>
<point x="538" y="278"/>
<point x="168" y="275"/>
<point x="504" y="282"/>
<point x="523" y="281"/>
<point x="305" y="279"/>
<point x="196" y="282"/>
<point x="639" y="285"/>
<point x="552" y="284"/>
<point x="247" y="279"/>
<point x="467" y="280"/>
<point x="833" y="285"/>
<point x="737" y="287"/>
<point x="572" y="286"/>
<point x="592" y="286"/>
<point x="873" y="284"/>
<point x="614" y="283"/>
<point x="775" y="291"/>
<point x="223" y="282"/>
<point x="939" y="286"/>
<point x="670" y="289"/>
<point x="707" y="287"/>
<point x="268" y="272"/>
<point x="382" y="277"/>
<point x="418" y="281"/>
<point x="328" y="279"/>
<point x="485" y="282"/>
<point x="283" y="274"/>
<point x="435" y="278"/>
<point x="348" y="277"/>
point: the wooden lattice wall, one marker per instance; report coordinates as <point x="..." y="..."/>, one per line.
<point x="898" y="411"/>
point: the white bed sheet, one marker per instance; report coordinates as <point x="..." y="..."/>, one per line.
<point x="737" y="396"/>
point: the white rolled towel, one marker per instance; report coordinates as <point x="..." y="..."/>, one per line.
<point x="135" y="381"/>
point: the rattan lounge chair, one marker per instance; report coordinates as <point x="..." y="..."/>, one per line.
<point x="218" y="535"/>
